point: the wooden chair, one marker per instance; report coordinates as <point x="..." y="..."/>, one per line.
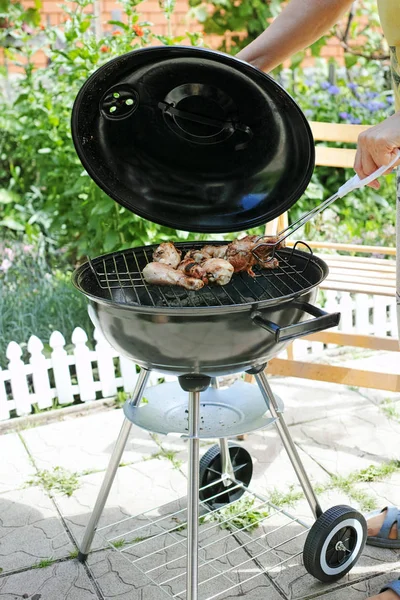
<point x="348" y="273"/>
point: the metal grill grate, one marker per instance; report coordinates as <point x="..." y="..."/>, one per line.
<point x="119" y="277"/>
<point x="239" y="544"/>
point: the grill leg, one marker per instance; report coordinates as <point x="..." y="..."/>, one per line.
<point x="111" y="470"/>
<point x="226" y="463"/>
<point x="193" y="498"/>
<point x="287" y="441"/>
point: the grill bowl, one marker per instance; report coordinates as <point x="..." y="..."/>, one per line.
<point x="210" y="331"/>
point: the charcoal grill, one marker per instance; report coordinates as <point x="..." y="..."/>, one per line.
<point x="213" y="331"/>
<point x="200" y="141"/>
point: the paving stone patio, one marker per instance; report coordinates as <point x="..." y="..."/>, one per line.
<point x="338" y="431"/>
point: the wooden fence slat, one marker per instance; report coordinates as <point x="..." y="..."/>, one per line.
<point x="83" y="365"/>
<point x="40" y="373"/>
<point x="362" y="313"/>
<point x="379" y="315"/>
<point x="334" y="374"/>
<point x="4" y="411"/>
<point x="346" y="312"/>
<point x="105" y="365"/>
<point x="372" y="342"/>
<point x="128" y="372"/>
<point x="393" y="318"/>
<point x="19" y="383"/>
<point x="60" y="363"/>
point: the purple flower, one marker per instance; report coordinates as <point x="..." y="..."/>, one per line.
<point x="354" y="103"/>
<point x="390" y="100"/>
<point x="371" y="95"/>
<point x="374" y="106"/>
<point x="352" y="86"/>
<point x="308" y="112"/>
<point x="316" y="102"/>
<point x="354" y="120"/>
<point x="344" y="115"/>
<point x="309" y="82"/>
<point x="334" y="90"/>
<point x="325" y="85"/>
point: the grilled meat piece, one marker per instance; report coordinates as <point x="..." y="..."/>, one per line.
<point x="218" y="270"/>
<point x="197" y="255"/>
<point x="210" y="264"/>
<point x="272" y="263"/>
<point x="167" y="254"/>
<point x="266" y="246"/>
<point x="191" y="268"/>
<point x="215" y="251"/>
<point x="160" y="274"/>
<point x="240" y="256"/>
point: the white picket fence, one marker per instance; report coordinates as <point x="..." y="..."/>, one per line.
<point x="42" y="379"/>
<point x="95" y="373"/>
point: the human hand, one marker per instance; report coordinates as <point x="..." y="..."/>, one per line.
<point x="377" y="146"/>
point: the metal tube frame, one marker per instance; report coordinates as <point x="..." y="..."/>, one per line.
<point x="227" y="473"/>
<point x="287" y="441"/>
<point x="111" y="469"/>
<point x="192" y="565"/>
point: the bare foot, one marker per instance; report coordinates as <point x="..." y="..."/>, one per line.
<point x="386" y="595"/>
<point x="374" y="526"/>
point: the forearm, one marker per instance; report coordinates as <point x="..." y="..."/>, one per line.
<point x="299" y="25"/>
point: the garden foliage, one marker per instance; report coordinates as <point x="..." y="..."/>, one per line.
<point x="47" y="200"/>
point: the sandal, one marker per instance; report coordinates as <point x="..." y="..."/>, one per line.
<point x="393" y="585"/>
<point x="382" y="538"/>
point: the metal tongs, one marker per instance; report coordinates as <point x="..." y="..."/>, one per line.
<point x="353" y="184"/>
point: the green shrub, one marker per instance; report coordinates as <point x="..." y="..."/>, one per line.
<point x="35" y="300"/>
<point x="43" y="187"/>
<point x="358" y="96"/>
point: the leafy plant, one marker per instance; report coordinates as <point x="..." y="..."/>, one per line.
<point x="45" y="562"/>
<point x="238" y="24"/>
<point x="242" y="514"/>
<point x="357" y="96"/>
<point x="288" y="498"/>
<point x="59" y="479"/>
<point x="44" y="190"/>
<point x="35" y="300"/>
<point x="388" y="407"/>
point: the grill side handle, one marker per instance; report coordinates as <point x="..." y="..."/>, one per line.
<point x="322" y="320"/>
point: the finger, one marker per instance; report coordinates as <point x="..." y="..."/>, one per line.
<point x="374" y="184"/>
<point x="368" y="163"/>
<point x="368" y="167"/>
<point x="358" y="164"/>
<point x="359" y="167"/>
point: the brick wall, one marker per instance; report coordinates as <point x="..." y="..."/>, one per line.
<point x="150" y="10"/>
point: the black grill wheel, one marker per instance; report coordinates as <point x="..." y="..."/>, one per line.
<point x="211" y="470"/>
<point x="334" y="543"/>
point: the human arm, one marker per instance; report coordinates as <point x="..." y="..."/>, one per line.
<point x="377" y="147"/>
<point x="298" y="26"/>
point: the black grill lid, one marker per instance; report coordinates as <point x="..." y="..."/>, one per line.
<point x="193" y="139"/>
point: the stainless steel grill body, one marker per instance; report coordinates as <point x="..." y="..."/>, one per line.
<point x="211" y="331"/>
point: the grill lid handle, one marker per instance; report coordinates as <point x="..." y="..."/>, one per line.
<point x="323" y="320"/>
